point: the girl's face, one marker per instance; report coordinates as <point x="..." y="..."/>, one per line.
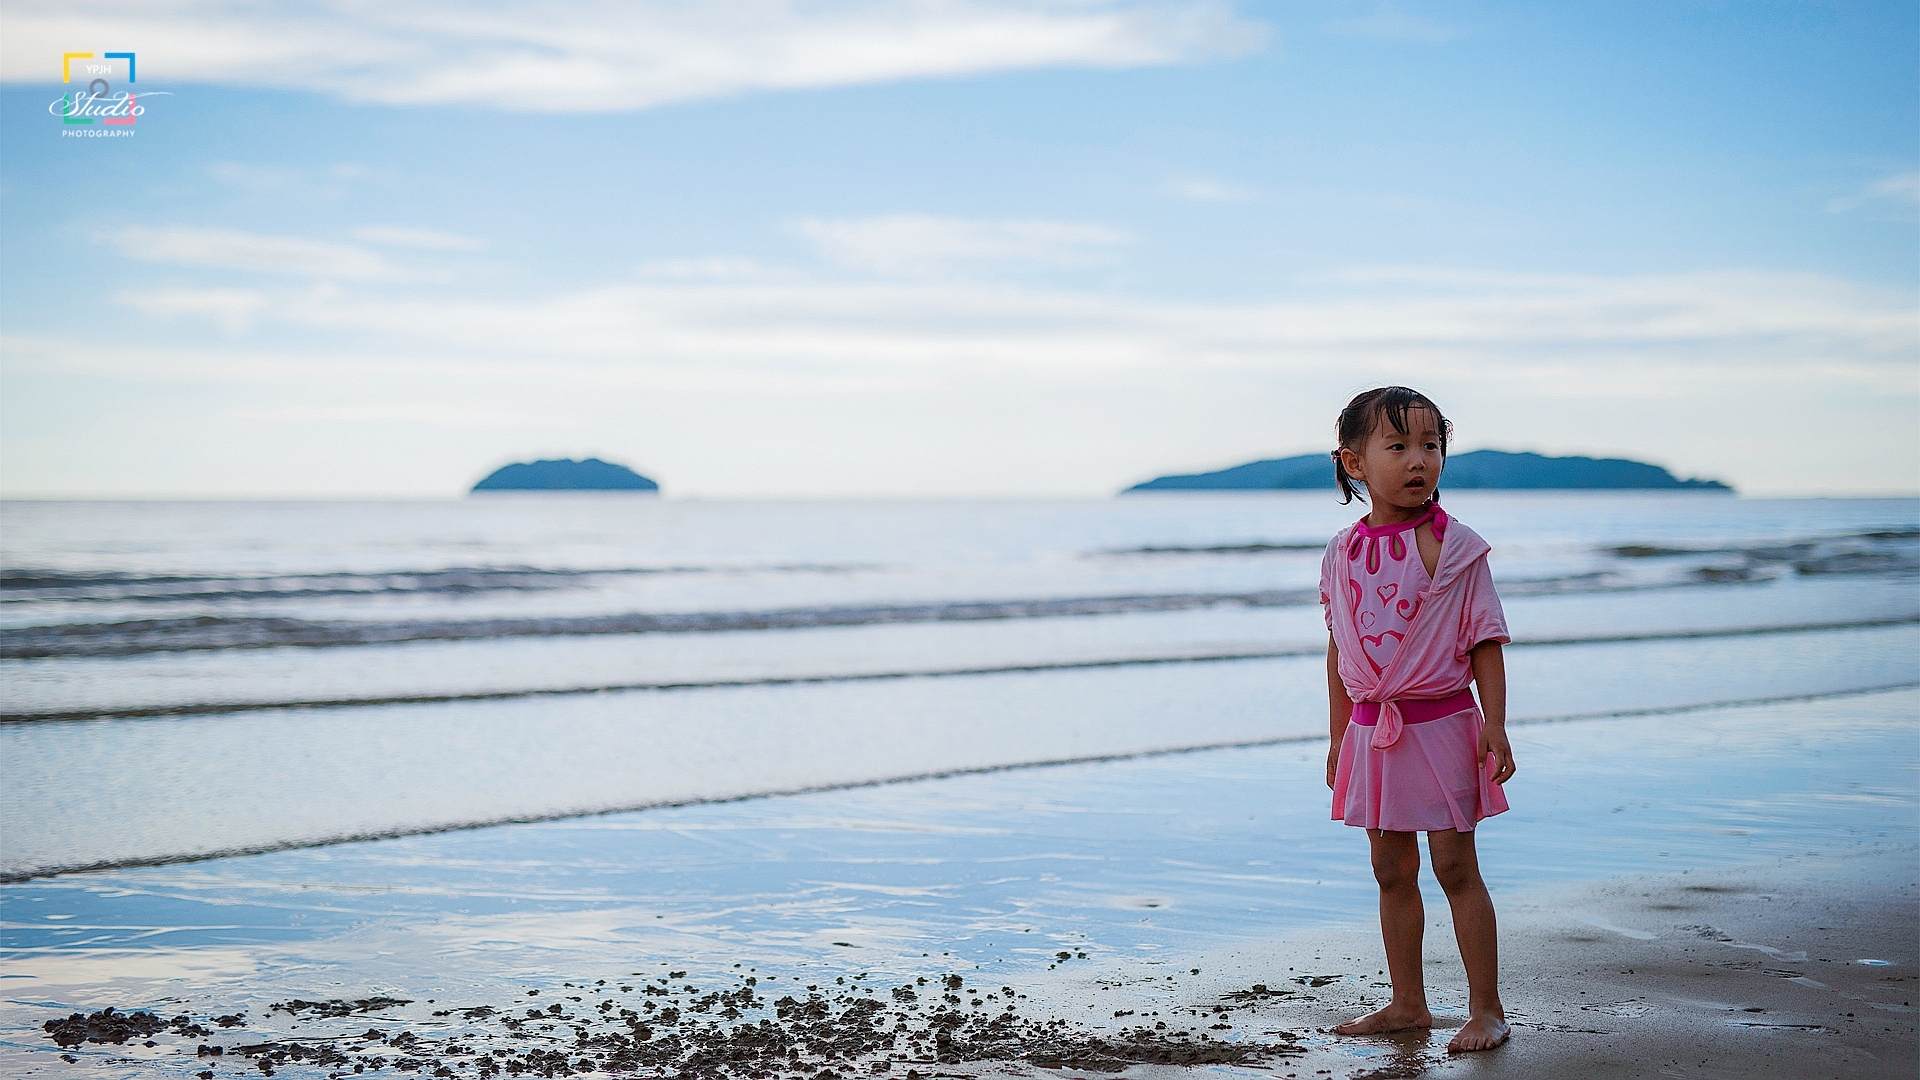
<point x="1399" y="469"/>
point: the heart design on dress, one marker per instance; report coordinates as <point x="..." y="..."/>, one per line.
<point x="1371" y="642"/>
<point x="1409" y="608"/>
<point x="1386" y="592"/>
<point x="1366" y="620"/>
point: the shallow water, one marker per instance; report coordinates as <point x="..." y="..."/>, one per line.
<point x="186" y="679"/>
<point x="108" y="791"/>
<point x="1159" y="859"/>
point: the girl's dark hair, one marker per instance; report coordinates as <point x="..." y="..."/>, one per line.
<point x="1362" y="415"/>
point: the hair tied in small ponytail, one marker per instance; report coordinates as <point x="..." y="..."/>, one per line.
<point x="1363" y="414"/>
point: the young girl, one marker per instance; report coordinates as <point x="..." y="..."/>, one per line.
<point x="1414" y="618"/>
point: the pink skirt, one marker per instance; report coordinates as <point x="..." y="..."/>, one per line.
<point x="1429" y="780"/>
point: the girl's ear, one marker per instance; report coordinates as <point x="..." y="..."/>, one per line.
<point x="1350" y="461"/>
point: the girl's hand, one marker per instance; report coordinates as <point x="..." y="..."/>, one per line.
<point x="1339" y="710"/>
<point x="1493" y="740"/>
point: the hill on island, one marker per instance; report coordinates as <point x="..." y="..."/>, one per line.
<point x="565" y="475"/>
<point x="1478" y="469"/>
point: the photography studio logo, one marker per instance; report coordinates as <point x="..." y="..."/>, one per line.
<point x="99" y="98"/>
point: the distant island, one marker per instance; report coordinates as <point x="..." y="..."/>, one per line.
<point x="1478" y="469"/>
<point x="565" y="475"/>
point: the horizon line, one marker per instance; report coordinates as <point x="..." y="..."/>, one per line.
<point x="977" y="496"/>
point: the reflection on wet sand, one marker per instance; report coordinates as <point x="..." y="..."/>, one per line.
<point x="1138" y="871"/>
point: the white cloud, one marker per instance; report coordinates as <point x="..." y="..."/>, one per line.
<point x="796" y="386"/>
<point x="1199" y="190"/>
<point x="1458" y="278"/>
<point x="230" y="249"/>
<point x="602" y="56"/>
<point x="1900" y="191"/>
<point x="709" y="269"/>
<point x="230" y="309"/>
<point x="1385" y="22"/>
<point x="266" y="179"/>
<point x="407" y="236"/>
<point x="1629" y="329"/>
<point x="908" y="244"/>
<point x="436" y="414"/>
<point x="279" y="180"/>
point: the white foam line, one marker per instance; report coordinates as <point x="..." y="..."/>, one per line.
<point x="1791" y="958"/>
<point x="15" y="875"/>
<point x="1637" y="935"/>
<point x="1292" y="652"/>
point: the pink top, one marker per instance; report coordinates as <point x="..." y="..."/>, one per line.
<point x="1400" y="633"/>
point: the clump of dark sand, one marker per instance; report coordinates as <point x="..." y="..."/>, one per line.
<point x="651" y="1027"/>
<point x="108" y="1026"/>
<point x="336" y="1007"/>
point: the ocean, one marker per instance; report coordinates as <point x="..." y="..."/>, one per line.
<point x="187" y="679"/>
<point x="395" y="755"/>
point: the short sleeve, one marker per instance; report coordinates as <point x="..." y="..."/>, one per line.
<point x="1326" y="586"/>
<point x="1481" y="616"/>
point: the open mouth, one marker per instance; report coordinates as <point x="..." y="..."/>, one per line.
<point x="1417" y="482"/>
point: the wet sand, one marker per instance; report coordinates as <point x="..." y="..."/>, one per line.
<point x="1755" y="971"/>
<point x="1205" y="892"/>
<point x="1737" y="973"/>
<point x="1749" y="973"/>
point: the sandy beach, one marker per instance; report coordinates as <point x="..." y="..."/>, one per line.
<point x="1800" y="968"/>
<point x="1756" y="971"/>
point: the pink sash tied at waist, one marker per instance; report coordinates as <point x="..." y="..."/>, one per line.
<point x="1389" y="718"/>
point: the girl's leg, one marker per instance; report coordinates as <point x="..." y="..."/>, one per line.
<point x="1396" y="866"/>
<point x="1457" y="865"/>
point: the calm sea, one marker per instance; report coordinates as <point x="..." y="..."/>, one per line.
<point x="184" y="679"/>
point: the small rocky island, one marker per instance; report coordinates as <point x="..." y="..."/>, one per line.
<point x="1478" y="469"/>
<point x="565" y="475"/>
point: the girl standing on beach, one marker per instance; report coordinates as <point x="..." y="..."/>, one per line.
<point x="1414" y="619"/>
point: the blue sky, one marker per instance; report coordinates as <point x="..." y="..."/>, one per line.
<point x="957" y="247"/>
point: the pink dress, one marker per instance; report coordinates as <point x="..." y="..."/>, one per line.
<point x="1410" y="758"/>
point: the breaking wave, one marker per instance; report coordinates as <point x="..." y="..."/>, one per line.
<point x="61" y="586"/>
<point x="1628" y="567"/>
<point x="216" y="708"/>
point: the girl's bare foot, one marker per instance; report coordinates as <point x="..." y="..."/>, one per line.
<point x="1392" y="1018"/>
<point x="1480" y="1033"/>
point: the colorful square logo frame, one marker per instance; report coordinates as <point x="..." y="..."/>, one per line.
<point x="73" y="105"/>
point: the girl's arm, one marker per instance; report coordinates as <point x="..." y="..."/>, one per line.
<point x="1339" y="709"/>
<point x="1490" y="676"/>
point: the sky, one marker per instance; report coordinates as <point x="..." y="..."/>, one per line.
<point x="935" y="248"/>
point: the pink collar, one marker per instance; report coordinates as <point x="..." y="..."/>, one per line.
<point x="1431" y="512"/>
